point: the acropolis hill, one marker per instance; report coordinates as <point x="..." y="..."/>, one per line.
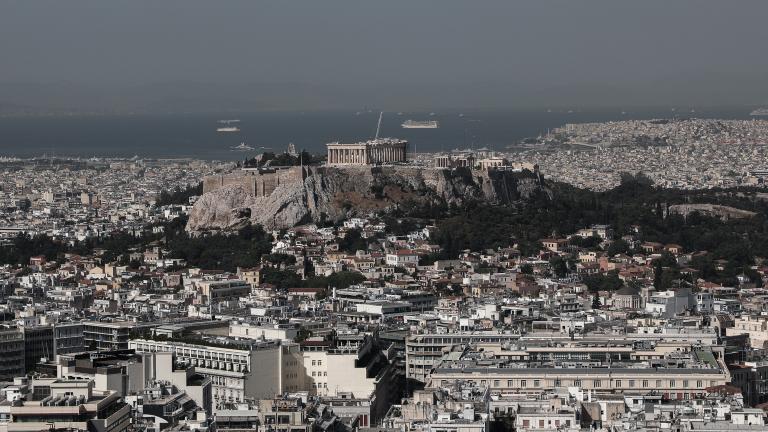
<point x="285" y="197"/>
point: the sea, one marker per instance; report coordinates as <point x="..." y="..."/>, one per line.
<point x="195" y="135"/>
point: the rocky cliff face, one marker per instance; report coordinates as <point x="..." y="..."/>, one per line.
<point x="333" y="194"/>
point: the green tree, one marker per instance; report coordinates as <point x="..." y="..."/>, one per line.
<point x="559" y="266"/>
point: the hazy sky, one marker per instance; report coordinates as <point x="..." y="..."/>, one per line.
<point x="251" y="54"/>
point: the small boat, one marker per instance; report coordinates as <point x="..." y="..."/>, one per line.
<point x="242" y="147"/>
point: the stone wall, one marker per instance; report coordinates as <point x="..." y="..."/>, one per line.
<point x="257" y="183"/>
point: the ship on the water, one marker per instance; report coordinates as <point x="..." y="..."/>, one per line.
<point x="760" y="112"/>
<point x="413" y="124"/>
<point x="228" y="126"/>
<point x="242" y="147"/>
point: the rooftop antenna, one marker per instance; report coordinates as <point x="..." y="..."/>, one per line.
<point x="378" y="127"/>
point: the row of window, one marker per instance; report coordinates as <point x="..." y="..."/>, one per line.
<point x="535" y="383"/>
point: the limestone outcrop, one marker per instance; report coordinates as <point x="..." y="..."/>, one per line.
<point x="335" y="193"/>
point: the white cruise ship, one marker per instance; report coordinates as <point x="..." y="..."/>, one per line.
<point x="227" y="126"/>
<point x="413" y="124"/>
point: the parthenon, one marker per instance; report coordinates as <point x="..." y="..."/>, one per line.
<point x="373" y="152"/>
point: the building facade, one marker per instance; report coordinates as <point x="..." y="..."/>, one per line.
<point x="373" y="152"/>
<point x="12" y="349"/>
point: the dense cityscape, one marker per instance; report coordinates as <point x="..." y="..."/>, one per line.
<point x="383" y="216"/>
<point x="120" y="315"/>
<point x="687" y="154"/>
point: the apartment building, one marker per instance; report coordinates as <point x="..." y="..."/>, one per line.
<point x="675" y="375"/>
<point x="355" y="368"/>
<point x="110" y="335"/>
<point x="423" y="352"/>
<point x="13" y="356"/>
<point x="247" y="370"/>
<point x="42" y="404"/>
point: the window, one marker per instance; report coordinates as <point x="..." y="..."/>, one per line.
<point x="523" y="383"/>
<point x="596" y="383"/>
<point x="314" y="363"/>
<point x="496" y="383"/>
<point x="557" y="382"/>
<point x="319" y="362"/>
<point x="658" y="383"/>
<point x="577" y="383"/>
<point x="509" y="383"/>
<point x="685" y="383"/>
<point x="671" y="383"/>
<point x="618" y="383"/>
<point x="536" y="383"/>
<point x="698" y="384"/>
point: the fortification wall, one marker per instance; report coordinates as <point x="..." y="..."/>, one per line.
<point x="257" y="183"/>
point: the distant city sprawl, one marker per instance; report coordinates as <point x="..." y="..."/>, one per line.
<point x="79" y="199"/>
<point x="686" y="154"/>
<point x="367" y="289"/>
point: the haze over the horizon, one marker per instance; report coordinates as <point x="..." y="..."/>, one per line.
<point x="246" y="55"/>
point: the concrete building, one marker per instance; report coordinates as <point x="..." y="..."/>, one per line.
<point x="667" y="304"/>
<point x="373" y="152"/>
<point x="627" y="298"/>
<point x="687" y="377"/>
<point x="13" y="356"/>
<point x="251" y="370"/>
<point x="45" y="404"/>
<point x="754" y="326"/>
<point x="38" y="345"/>
<point x="68" y="337"/>
<point x="423" y="352"/>
<point x="355" y="368"/>
<point x="128" y="372"/>
<point x="264" y="331"/>
<point x="218" y="291"/>
<point x="403" y="258"/>
<point x="108" y="335"/>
